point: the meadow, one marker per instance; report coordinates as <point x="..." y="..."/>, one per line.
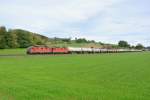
<point x="118" y="76"/>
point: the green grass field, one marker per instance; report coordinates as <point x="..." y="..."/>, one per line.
<point x="122" y="76"/>
<point x="12" y="51"/>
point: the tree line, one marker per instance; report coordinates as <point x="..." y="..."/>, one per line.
<point x="125" y="44"/>
<point x="18" y="38"/>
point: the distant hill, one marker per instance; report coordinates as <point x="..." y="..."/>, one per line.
<point x="18" y="38"/>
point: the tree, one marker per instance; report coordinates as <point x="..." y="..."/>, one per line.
<point x="123" y="44"/>
<point x="139" y="46"/>
<point x="37" y="40"/>
<point x="81" y="40"/>
<point x="11" y="40"/>
<point x="68" y="40"/>
<point x="25" y="39"/>
<point x="101" y="43"/>
<point x="2" y="37"/>
<point x="91" y="41"/>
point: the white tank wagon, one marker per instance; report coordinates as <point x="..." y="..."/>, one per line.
<point x="135" y="50"/>
<point x="74" y="50"/>
<point x="112" y="50"/>
<point x="103" y="50"/>
<point x="80" y="50"/>
<point x="87" y="50"/>
<point x="99" y="50"/>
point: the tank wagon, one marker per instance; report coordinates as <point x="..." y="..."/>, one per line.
<point x="72" y="50"/>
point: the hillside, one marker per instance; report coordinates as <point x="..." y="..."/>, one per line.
<point x="19" y="38"/>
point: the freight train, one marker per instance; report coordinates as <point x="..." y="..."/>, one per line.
<point x="71" y="50"/>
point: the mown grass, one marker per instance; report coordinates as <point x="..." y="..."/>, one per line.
<point x="12" y="51"/>
<point x="122" y="76"/>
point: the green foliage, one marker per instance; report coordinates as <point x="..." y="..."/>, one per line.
<point x="66" y="40"/>
<point x="2" y="37"/>
<point x="37" y="40"/>
<point x="81" y="40"/>
<point x="61" y="40"/>
<point x="122" y="76"/>
<point x="123" y="44"/>
<point x="11" y="40"/>
<point x="25" y="39"/>
<point x="19" y="38"/>
<point x="139" y="46"/>
<point x="91" y="41"/>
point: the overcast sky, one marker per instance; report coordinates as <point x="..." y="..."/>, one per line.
<point x="102" y="20"/>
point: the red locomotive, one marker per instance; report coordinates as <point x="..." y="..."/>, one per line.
<point x="46" y="50"/>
